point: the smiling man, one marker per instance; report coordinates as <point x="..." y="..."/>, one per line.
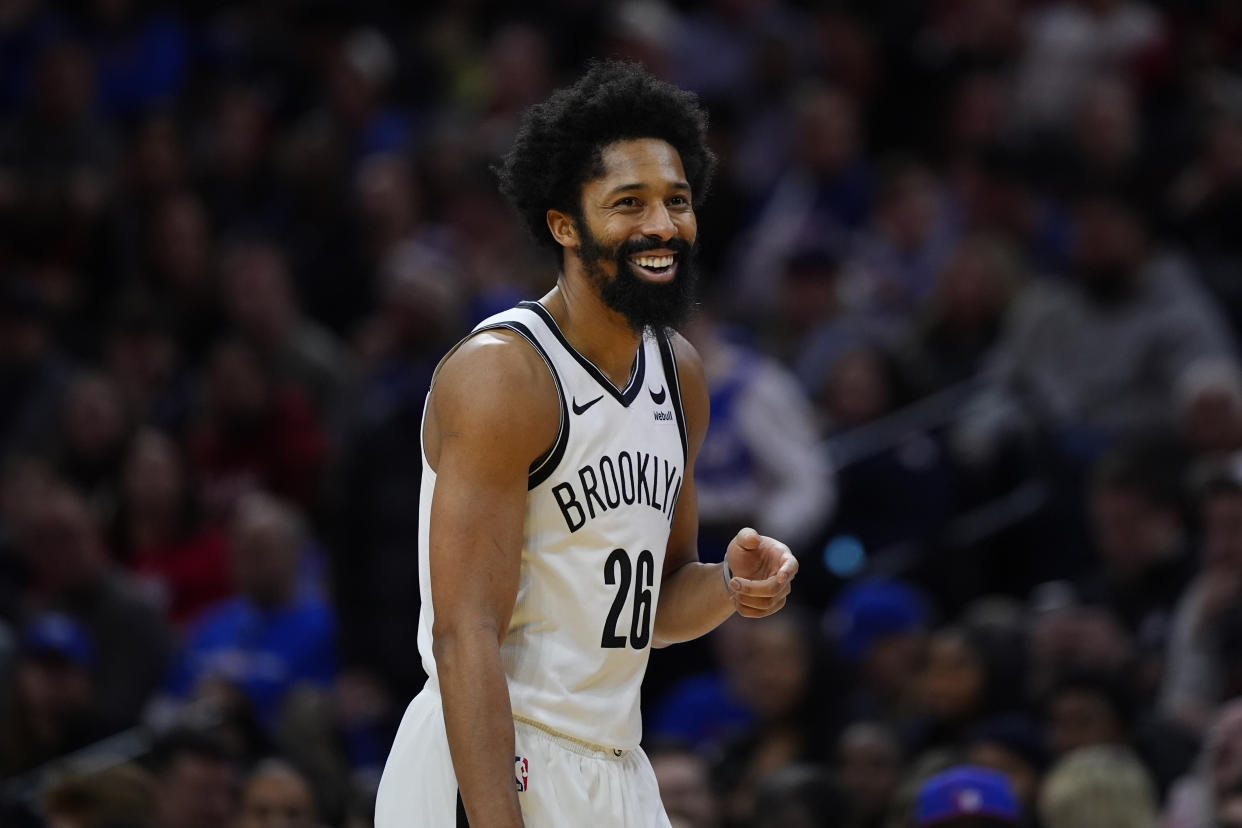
<point x="558" y="533"/>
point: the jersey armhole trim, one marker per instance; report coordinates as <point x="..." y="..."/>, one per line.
<point x="543" y="466"/>
<point x="670" y="373"/>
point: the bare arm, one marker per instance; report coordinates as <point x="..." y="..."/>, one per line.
<point x="493" y="410"/>
<point x="694" y="599"/>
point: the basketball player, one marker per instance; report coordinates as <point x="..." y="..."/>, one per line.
<point x="557" y="539"/>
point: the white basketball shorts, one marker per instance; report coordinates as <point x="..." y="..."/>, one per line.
<point x="561" y="783"/>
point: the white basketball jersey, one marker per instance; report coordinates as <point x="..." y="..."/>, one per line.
<point x="598" y="512"/>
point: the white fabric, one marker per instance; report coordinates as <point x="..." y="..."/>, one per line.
<point x="565" y="785"/>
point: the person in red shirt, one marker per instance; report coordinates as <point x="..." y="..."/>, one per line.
<point x="160" y="532"/>
<point x="254" y="433"/>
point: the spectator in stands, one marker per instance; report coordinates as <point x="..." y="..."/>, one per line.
<point x="1194" y="674"/>
<point x="400" y="245"/>
<point x="826" y="192"/>
<point x="1068" y="43"/>
<point x="379" y="468"/>
<point x="272" y="637"/>
<point x="965" y="797"/>
<point x="879" y="627"/>
<point x="276" y="795"/>
<point x="95" y="432"/>
<point x="238" y="181"/>
<point x="1070" y="639"/>
<point x="161" y="535"/>
<point x="57" y="156"/>
<point x="776" y="670"/>
<point x="1098" y="787"/>
<point x="259" y="300"/>
<point x="1205" y="791"/>
<point x="254" y="433"/>
<point x="195" y="778"/>
<point x="120" y="795"/>
<point x="358" y="73"/>
<point x="33" y="372"/>
<point x="1135" y="505"/>
<point x="145" y="360"/>
<point x="746" y="713"/>
<point x="951" y="691"/>
<point x="1209" y="413"/>
<point x="1229" y="812"/>
<point x="178" y="261"/>
<point x="815" y="319"/>
<point x="140" y="55"/>
<point x="895" y="480"/>
<point x="869" y="763"/>
<point x="73" y="573"/>
<point x="962" y="317"/>
<point x="23" y="481"/>
<point x="1106" y="144"/>
<point x="800" y="796"/>
<point x="1014" y="745"/>
<point x="46" y="710"/>
<point x="684" y="776"/>
<point x="157" y="162"/>
<point x="894" y="266"/>
<point x="1205" y="199"/>
<point x="1141" y="318"/>
<point x="761" y="461"/>
<point x="1085" y="709"/>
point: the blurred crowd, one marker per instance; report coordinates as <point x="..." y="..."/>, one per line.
<point x="971" y="292"/>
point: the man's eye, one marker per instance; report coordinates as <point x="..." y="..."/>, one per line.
<point x="628" y="201"/>
<point x="679" y="201"/>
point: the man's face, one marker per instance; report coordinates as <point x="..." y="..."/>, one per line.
<point x="1229" y="812"/>
<point x="685" y="787"/>
<point x="1132" y="532"/>
<point x="277" y="800"/>
<point x="196" y="792"/>
<point x="637" y="232"/>
<point x="62" y="544"/>
<point x="1079" y="718"/>
<point x="869" y="765"/>
<point x="1108" y="249"/>
<point x="1022" y="775"/>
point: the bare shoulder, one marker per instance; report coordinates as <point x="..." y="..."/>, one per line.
<point x="693" y="382"/>
<point x="495" y="394"/>
<point x="687" y="355"/>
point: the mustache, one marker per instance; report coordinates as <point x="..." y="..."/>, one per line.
<point x="633" y="247"/>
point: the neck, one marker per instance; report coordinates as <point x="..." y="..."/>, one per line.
<point x="596" y="331"/>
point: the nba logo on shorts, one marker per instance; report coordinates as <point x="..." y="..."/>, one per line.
<point x="521" y="772"/>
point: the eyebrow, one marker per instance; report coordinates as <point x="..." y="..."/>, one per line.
<point x="626" y="188"/>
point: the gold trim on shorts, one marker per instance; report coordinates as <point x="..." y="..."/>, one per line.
<point x="598" y="748"/>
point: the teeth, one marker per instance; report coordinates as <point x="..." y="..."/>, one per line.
<point x="653" y="261"/>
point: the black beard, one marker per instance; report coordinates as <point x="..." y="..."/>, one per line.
<point x="661" y="306"/>
<point x="1107" y="285"/>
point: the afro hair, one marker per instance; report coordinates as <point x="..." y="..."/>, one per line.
<point x="559" y="143"/>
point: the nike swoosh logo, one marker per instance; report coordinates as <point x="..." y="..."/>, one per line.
<point x="578" y="409"/>
<point x="657" y="398"/>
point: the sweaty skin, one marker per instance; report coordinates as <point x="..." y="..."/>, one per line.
<point x="493" y="409"/>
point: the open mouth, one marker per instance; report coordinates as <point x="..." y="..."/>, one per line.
<point x="658" y="268"/>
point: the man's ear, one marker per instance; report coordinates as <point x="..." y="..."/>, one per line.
<point x="563" y="228"/>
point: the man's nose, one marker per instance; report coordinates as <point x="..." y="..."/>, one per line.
<point x="659" y="224"/>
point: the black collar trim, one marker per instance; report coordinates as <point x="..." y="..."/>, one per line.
<point x="624" y="396"/>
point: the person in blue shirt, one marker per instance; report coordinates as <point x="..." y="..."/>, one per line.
<point x="276" y="634"/>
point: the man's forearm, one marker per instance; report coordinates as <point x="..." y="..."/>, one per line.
<point x="693" y="602"/>
<point x="479" y="720"/>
